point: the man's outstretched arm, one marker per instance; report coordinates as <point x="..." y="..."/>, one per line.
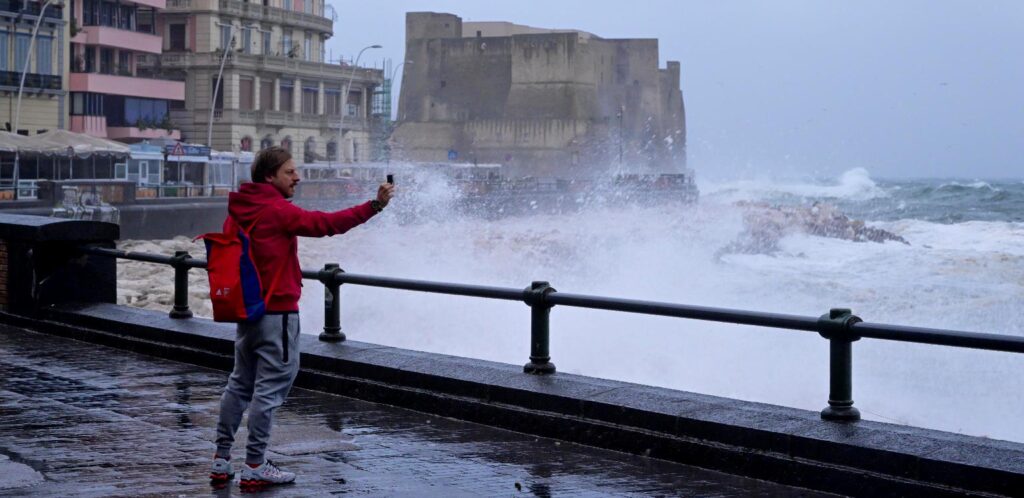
<point x="322" y="224"/>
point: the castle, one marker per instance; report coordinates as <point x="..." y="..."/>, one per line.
<point x="541" y="102"/>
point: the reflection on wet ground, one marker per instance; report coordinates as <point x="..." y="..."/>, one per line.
<point x="83" y="420"/>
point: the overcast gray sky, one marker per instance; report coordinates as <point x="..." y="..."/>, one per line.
<point x="797" y="87"/>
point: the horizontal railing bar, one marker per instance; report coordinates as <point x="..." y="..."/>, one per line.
<point x="940" y="337"/>
<point x="682" y="311"/>
<point x="143" y="256"/>
<point x="899" y="333"/>
<point x="134" y="256"/>
<point x="433" y="287"/>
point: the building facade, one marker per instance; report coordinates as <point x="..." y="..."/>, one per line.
<point x="541" y="102"/>
<point x="277" y="86"/>
<point x="44" y="101"/>
<point x="110" y="97"/>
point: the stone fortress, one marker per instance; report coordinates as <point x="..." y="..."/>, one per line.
<point x="542" y="102"/>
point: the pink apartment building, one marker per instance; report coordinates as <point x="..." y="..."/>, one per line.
<point x="109" y="98"/>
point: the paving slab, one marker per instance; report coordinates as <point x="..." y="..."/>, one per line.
<point x="77" y="419"/>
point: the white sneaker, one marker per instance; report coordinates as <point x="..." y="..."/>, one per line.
<point x="265" y="475"/>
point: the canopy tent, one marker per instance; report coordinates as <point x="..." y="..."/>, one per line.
<point x="10" y="142"/>
<point x="66" y="143"/>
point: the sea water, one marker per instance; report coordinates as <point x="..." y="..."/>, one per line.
<point x="962" y="269"/>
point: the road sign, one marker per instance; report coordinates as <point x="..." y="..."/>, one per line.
<point x="178" y="150"/>
<point x="453" y="154"/>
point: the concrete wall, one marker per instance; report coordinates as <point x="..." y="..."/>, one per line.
<point x="508" y="99"/>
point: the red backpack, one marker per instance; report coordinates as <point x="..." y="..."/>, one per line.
<point x="235" y="288"/>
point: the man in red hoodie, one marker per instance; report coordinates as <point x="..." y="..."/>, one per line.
<point x="267" y="351"/>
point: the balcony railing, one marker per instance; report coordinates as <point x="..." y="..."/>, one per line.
<point x="273" y="14"/>
<point x="277" y="118"/>
<point x="32" y="80"/>
<point x="53" y="12"/>
<point x="112" y="71"/>
<point x="150" y="31"/>
<point x="279" y="64"/>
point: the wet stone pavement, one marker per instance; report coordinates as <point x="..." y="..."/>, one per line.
<point x="78" y="419"/>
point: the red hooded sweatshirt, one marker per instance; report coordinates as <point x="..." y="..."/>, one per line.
<point x="275" y="237"/>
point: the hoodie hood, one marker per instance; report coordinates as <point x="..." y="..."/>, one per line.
<point x="250" y="200"/>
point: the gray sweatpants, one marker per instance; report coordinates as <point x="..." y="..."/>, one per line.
<point x="266" y="363"/>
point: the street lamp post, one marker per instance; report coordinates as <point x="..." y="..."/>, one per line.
<point x="216" y="87"/>
<point x="344" y="100"/>
<point x="394" y="70"/>
<point x="21" y="89"/>
<point x="391" y="83"/>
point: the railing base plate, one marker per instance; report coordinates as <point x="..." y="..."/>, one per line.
<point x="539" y="368"/>
<point x="840" y="414"/>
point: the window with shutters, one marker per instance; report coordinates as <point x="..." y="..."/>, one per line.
<point x="267" y="95"/>
<point x="285" y="96"/>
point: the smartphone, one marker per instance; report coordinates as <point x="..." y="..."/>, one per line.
<point x="391" y="179"/>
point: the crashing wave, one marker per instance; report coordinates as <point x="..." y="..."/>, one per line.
<point x="978" y="185"/>
<point x="854" y="184"/>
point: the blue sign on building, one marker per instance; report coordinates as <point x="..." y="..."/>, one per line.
<point x="453" y="154"/>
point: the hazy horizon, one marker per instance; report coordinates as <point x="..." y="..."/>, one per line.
<point x="800" y="88"/>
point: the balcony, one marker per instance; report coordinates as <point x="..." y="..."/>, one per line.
<point x="119" y="38"/>
<point x="32" y="81"/>
<point x="130" y="86"/>
<point x="119" y="132"/>
<point x="254" y="12"/>
<point x="266" y="63"/>
<point x="273" y="118"/>
<point x="156" y="4"/>
<point x="54" y="13"/>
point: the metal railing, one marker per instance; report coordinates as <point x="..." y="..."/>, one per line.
<point x="839" y="326"/>
<point x="32" y="80"/>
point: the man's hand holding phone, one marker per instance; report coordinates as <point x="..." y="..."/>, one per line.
<point x="386" y="191"/>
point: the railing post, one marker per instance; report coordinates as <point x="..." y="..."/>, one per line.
<point x="180" y="309"/>
<point x="540" y="313"/>
<point x="835" y="326"/>
<point x="332" y="303"/>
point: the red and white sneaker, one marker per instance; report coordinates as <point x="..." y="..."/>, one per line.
<point x="265" y="475"/>
<point x="221" y="471"/>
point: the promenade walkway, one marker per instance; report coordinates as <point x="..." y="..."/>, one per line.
<point x="78" y="419"/>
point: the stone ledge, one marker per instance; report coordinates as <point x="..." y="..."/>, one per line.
<point x="780" y="444"/>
